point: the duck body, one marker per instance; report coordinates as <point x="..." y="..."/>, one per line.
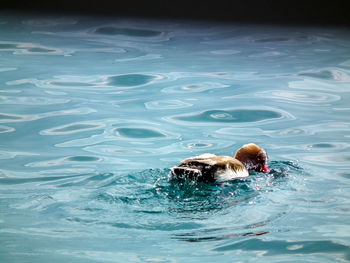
<point x="210" y="167"/>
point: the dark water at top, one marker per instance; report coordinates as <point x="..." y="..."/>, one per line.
<point x="94" y="112"/>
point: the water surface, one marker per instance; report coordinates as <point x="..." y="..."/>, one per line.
<point x="94" y="111"/>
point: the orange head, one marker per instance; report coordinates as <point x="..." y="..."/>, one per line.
<point x="253" y="157"/>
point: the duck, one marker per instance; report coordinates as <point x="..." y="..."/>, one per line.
<point x="212" y="168"/>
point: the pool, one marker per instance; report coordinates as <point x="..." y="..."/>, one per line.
<point x="94" y="111"/>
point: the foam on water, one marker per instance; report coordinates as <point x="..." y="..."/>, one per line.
<point x="94" y="112"/>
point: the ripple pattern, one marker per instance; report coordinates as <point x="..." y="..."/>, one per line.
<point x="328" y="74"/>
<point x="139" y="133"/>
<point x="28" y="48"/>
<point x="4" y="129"/>
<point x="199" y="87"/>
<point x="231" y="116"/>
<point x="130" y="80"/>
<point x="73" y="128"/>
<point x="94" y="111"/>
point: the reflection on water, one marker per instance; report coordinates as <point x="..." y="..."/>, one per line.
<point x="94" y="112"/>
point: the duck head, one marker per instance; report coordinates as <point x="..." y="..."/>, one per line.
<point x="253" y="157"/>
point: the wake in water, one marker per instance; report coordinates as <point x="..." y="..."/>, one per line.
<point x="154" y="191"/>
<point x="150" y="200"/>
<point x="176" y="203"/>
<point x="199" y="196"/>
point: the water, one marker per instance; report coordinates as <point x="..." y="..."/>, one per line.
<point x="94" y="111"/>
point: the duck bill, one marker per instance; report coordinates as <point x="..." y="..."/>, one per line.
<point x="265" y="169"/>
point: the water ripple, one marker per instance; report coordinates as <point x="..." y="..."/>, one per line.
<point x="21" y="100"/>
<point x="5" y="129"/>
<point x="5" y="118"/>
<point x="59" y="82"/>
<point x="131" y="80"/>
<point x="267" y="54"/>
<point x="8" y="154"/>
<point x="139" y="133"/>
<point x="114" y="150"/>
<point x="325" y="146"/>
<point x="74" y="128"/>
<point x="314" y="84"/>
<point x="7" y="69"/>
<point x="167" y="104"/>
<point x="230" y="116"/>
<point x="225" y="52"/>
<point x="329" y="159"/>
<point x="89" y="104"/>
<point x="64" y="161"/>
<point x="304" y="97"/>
<point x="328" y="74"/>
<point x="323" y="80"/>
<point x="29" y="49"/>
<point x="279" y="247"/>
<point x="41" y="179"/>
<point x="71" y="84"/>
<point x="194" y="87"/>
<point x="140" y="57"/>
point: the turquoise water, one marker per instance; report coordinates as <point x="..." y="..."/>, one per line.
<point x="94" y="111"/>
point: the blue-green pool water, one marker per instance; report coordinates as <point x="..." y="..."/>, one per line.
<point x="94" y="111"/>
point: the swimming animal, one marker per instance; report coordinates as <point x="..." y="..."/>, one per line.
<point x="210" y="167"/>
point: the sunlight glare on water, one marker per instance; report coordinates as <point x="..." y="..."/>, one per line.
<point x="94" y="112"/>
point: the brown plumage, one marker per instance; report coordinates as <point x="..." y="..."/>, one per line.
<point x="210" y="168"/>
